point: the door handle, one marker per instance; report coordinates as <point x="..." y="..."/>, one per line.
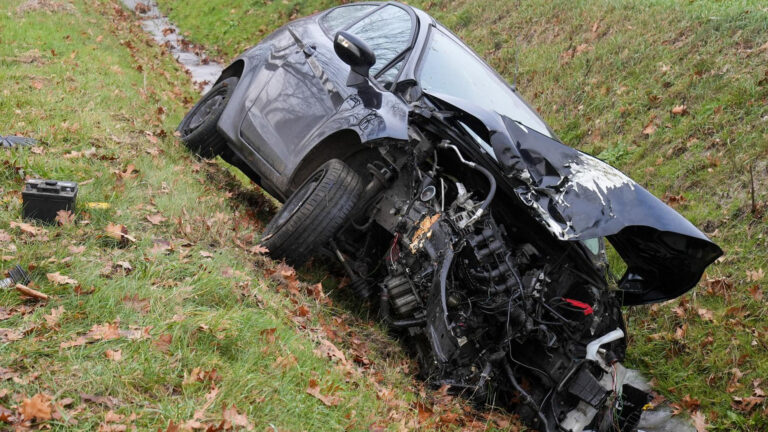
<point x="309" y="50"/>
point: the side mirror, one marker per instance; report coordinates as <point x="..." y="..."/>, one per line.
<point x="357" y="54"/>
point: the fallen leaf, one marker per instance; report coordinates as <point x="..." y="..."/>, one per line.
<point x="680" y="110"/>
<point x="234" y="419"/>
<point x="36" y="408"/>
<point x="733" y="383"/>
<point x="163" y="342"/>
<point x="699" y="421"/>
<point x="65" y="217"/>
<point x="156" y="219"/>
<point x="59" y="279"/>
<point x="28" y="229"/>
<point x="206" y="254"/>
<point x="119" y="233"/>
<point x="755" y="275"/>
<point x="705" y="314"/>
<point x="650" y="127"/>
<point x="114" y="355"/>
<point x="161" y="247"/>
<point x="314" y="390"/>
<point x="52" y="319"/>
<point x="76" y="249"/>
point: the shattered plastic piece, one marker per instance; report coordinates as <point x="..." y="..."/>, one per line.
<point x="11" y="141"/>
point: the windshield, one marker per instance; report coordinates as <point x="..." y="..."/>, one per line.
<point x="453" y="69"/>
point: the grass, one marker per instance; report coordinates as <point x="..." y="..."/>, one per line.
<point x="601" y="73"/>
<point x="204" y="324"/>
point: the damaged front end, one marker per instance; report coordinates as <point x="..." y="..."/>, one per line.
<point x="491" y="265"/>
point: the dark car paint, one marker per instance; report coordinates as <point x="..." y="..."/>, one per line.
<point x="293" y="95"/>
<point x="666" y="255"/>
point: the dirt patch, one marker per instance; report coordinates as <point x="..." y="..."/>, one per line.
<point x="45" y="6"/>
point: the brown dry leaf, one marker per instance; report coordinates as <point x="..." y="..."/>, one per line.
<point x="755" y="275"/>
<point x="36" y="408"/>
<point x="130" y="171"/>
<point x="161" y="247"/>
<point x="163" y="342"/>
<point x="705" y="314"/>
<point x="302" y="311"/>
<point x="206" y="254"/>
<point x="733" y="383"/>
<point x="756" y="292"/>
<point x="136" y="303"/>
<point x="424" y="412"/>
<point x="65" y="217"/>
<point x="10" y="335"/>
<point x="52" y="319"/>
<point x="101" y="400"/>
<point x="286" y="362"/>
<point x="28" y="229"/>
<point x="114" y="355"/>
<point x="699" y="421"/>
<point x="329" y="350"/>
<point x="234" y="419"/>
<point x="60" y="279"/>
<point x="78" y="341"/>
<point x="4" y="236"/>
<point x="680" y="110"/>
<point x="746" y="404"/>
<point x="106" y="331"/>
<point x="650" y="127"/>
<point x="314" y="390"/>
<point x="119" y="233"/>
<point x="74" y="250"/>
<point x="113" y="417"/>
<point x="258" y="250"/>
<point x="268" y="335"/>
<point x="156" y="219"/>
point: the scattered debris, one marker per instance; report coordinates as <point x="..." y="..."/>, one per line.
<point x="16" y="141"/>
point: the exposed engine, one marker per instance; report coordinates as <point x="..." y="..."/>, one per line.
<point x="491" y="309"/>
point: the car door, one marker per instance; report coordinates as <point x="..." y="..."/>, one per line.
<point x="308" y="86"/>
<point x="295" y="99"/>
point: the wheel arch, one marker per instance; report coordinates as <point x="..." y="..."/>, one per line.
<point x="235" y="69"/>
<point x="345" y="145"/>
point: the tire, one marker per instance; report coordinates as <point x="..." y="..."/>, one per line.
<point x="313" y="214"/>
<point x="198" y="128"/>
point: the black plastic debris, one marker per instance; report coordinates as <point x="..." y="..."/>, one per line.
<point x="11" y="141"/>
<point x="43" y="199"/>
<point x="16" y="275"/>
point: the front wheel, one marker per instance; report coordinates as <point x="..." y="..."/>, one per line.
<point x="313" y="214"/>
<point x="198" y="128"/>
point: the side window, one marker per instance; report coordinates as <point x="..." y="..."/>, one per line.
<point x="387" y="31"/>
<point x="387" y="78"/>
<point x="343" y="16"/>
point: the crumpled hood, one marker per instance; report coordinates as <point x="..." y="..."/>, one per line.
<point x="578" y="197"/>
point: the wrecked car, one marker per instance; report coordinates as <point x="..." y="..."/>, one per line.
<point x="455" y="210"/>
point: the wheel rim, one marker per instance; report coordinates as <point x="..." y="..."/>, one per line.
<point x="296" y="200"/>
<point x="203" y="111"/>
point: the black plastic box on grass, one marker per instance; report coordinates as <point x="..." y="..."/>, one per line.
<point x="42" y="199"/>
